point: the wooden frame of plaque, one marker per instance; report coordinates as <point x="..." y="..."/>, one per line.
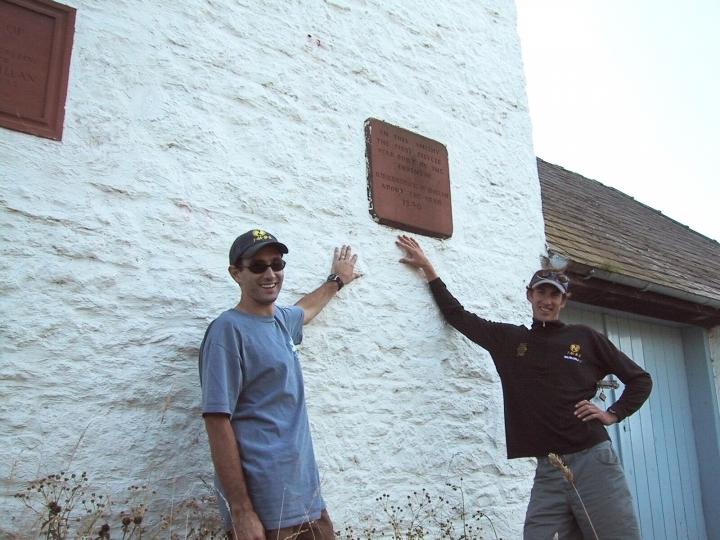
<point x="36" y="38"/>
<point x="408" y="180"/>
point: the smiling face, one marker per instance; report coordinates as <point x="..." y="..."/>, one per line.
<point x="259" y="291"/>
<point x="546" y="301"/>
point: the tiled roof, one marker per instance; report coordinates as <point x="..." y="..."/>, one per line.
<point x="598" y="226"/>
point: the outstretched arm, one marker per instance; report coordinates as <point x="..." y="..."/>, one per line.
<point x="344" y="266"/>
<point x="415" y="256"/>
<point x="485" y="333"/>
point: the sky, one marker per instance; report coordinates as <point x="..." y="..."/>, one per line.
<point x="627" y="92"/>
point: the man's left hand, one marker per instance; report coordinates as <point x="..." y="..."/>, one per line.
<point x="344" y="264"/>
<point x="586" y="411"/>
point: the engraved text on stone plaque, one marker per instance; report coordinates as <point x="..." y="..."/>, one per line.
<point x="35" y="43"/>
<point x="408" y="180"/>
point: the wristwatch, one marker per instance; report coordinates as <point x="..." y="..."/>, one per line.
<point x="337" y="279"/>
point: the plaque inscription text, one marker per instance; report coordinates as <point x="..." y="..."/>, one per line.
<point x="35" y="43"/>
<point x="408" y="180"/>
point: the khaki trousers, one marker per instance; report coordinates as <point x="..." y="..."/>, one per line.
<point x="556" y="508"/>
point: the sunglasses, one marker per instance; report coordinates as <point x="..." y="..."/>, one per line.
<point x="560" y="277"/>
<point x="257" y="267"/>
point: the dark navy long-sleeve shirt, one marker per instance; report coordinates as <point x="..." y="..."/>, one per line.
<point x="545" y="371"/>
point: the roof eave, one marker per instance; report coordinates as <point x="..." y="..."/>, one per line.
<point x="618" y="291"/>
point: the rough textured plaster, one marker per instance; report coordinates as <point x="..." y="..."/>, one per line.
<point x="188" y="123"/>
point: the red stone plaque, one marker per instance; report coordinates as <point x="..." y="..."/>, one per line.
<point x="35" y="42"/>
<point x="408" y="180"/>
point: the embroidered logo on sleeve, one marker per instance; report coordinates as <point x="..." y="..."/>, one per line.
<point x="573" y="353"/>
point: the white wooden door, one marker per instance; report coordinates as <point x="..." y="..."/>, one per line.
<point x="656" y="445"/>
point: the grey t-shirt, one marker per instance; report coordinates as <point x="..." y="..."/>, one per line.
<point x="249" y="369"/>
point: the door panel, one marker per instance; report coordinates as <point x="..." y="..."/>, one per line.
<point x="657" y="444"/>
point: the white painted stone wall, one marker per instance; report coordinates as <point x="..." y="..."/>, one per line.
<point x="190" y="122"/>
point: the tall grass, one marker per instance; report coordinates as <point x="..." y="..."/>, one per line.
<point x="557" y="462"/>
<point x="63" y="506"/>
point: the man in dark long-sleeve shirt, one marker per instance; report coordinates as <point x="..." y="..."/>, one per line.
<point x="549" y="375"/>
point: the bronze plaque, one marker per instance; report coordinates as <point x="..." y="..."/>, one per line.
<point x="408" y="180"/>
<point x="35" y="43"/>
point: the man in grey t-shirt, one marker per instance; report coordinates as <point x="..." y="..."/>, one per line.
<point x="253" y="399"/>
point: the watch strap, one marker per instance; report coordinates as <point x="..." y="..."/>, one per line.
<point x="336" y="279"/>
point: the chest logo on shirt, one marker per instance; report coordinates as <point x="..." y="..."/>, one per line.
<point x="573" y="353"/>
<point x="522" y="349"/>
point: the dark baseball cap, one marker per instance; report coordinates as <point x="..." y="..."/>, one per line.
<point x="552" y="277"/>
<point x="249" y="243"/>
